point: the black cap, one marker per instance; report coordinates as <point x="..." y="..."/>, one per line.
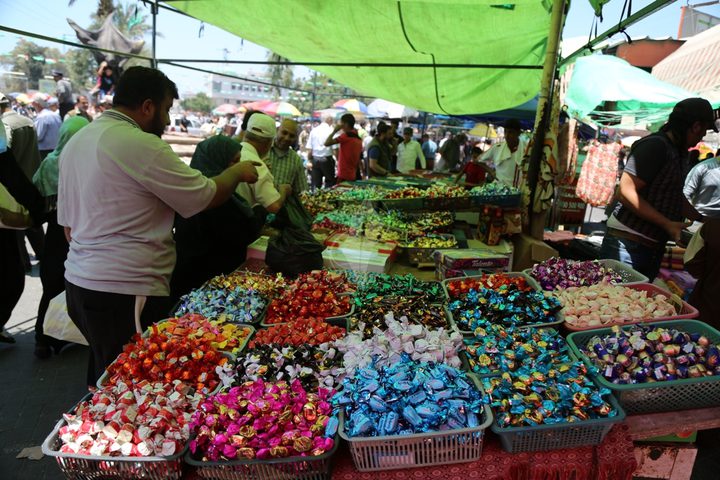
<point x="696" y="109"/>
<point x="512" y="124"/>
<point x="57" y="73"/>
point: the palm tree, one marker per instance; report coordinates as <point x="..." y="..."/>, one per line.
<point x="280" y="74"/>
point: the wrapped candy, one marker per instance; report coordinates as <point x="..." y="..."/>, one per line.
<point x="237" y="305"/>
<point x="373" y="284"/>
<point x="371" y="311"/>
<point x="264" y="420"/>
<point x="223" y="336"/>
<point x="161" y="358"/>
<point x="505" y="306"/>
<point x="309" y="331"/>
<point x="431" y="241"/>
<point x="650" y="353"/>
<point x="149" y="419"/>
<point x="604" y="304"/>
<point x="546" y="396"/>
<point x="362" y="194"/>
<point x="557" y="273"/>
<point x="408" y="397"/>
<point x="266" y="285"/>
<point x="406" y="192"/>
<point x="386" y="346"/>
<point x="458" y="288"/>
<point x="321" y="200"/>
<point x="499" y="349"/>
<point x="315" y="294"/>
<point x="312" y="365"/>
<point x="445" y="191"/>
<point x="337" y="227"/>
<point x="493" y="189"/>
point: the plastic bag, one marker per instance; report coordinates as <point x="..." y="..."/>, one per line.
<point x="58" y="323"/>
<point x="294" y="251"/>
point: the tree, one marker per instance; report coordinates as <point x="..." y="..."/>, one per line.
<point x="327" y="92"/>
<point x="199" y="103"/>
<point x="280" y="74"/>
<point x="34" y="61"/>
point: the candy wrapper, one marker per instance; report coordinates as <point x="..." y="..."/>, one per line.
<point x="237" y="305"/>
<point x="371" y="311"/>
<point x="407" y="192"/>
<point x="223" y="336"/>
<point x="321" y="200"/>
<point x="161" y="358"/>
<point x="316" y="294"/>
<point x="459" y="288"/>
<point x="642" y="353"/>
<point x="386" y="346"/>
<point x="312" y="365"/>
<point x="602" y="304"/>
<point x="556" y="273"/>
<point x="264" y="420"/>
<point x="494" y="188"/>
<point x="445" y="191"/>
<point x="362" y="194"/>
<point x="408" y="397"/>
<point x="327" y="224"/>
<point x="431" y="241"/>
<point x="303" y="331"/>
<point x="381" y="284"/>
<point x="505" y="306"/>
<point x="499" y="349"/>
<point x="547" y="396"/>
<point x="149" y="419"/>
<point x="266" y="285"/>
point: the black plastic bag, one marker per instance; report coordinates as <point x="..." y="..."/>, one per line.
<point x="294" y="251"/>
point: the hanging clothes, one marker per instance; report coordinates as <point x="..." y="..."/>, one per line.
<point x="596" y="184"/>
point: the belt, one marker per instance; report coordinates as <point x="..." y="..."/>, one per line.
<point x="632" y="237"/>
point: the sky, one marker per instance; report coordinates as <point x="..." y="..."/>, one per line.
<point x="180" y="34"/>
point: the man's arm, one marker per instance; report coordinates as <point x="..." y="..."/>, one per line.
<point x="330" y="141"/>
<point x="228" y="180"/>
<point x="375" y="167"/>
<point x="40" y="129"/>
<point x="692" y="182"/>
<point x="421" y="156"/>
<point x="630" y="185"/>
<point x="275" y="207"/>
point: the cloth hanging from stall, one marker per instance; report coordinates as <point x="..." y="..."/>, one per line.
<point x="596" y="184"/>
<point x="567" y="152"/>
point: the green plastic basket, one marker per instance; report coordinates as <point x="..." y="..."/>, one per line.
<point x="672" y="395"/>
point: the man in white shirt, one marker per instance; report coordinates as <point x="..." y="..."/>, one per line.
<point x="409" y="151"/>
<point x="320" y="156"/>
<point x="257" y="141"/>
<point x="506" y="157"/>
<point x="119" y="188"/>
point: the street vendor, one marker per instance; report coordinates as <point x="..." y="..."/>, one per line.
<point x="506" y="157"/>
<point x="475" y="171"/>
<point x="379" y="152"/>
<point x="652" y="208"/>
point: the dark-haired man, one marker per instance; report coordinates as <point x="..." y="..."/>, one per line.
<point x="63" y="92"/>
<point x="379" y="152"/>
<point x="506" y="157"/>
<point x="350" y="148"/>
<point x="120" y="186"/>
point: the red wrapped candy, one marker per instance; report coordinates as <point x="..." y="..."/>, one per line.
<point x="311" y="331"/>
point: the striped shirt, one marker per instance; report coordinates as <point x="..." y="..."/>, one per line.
<point x="287" y="168"/>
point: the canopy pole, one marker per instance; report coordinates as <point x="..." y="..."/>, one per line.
<point x="537" y="221"/>
<point x="154" y="8"/>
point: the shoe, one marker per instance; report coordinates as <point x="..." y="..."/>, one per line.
<point x="42" y="351"/>
<point x="5" y="337"/>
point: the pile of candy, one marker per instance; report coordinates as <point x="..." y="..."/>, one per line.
<point x="310" y="331"/>
<point x="327" y="224"/>
<point x="151" y="419"/>
<point x="266" y="285"/>
<point x="312" y="365"/>
<point x="361" y="194"/>
<point x="556" y="394"/>
<point x="406" y="192"/>
<point x="461" y="287"/>
<point x="235" y="305"/>
<point x="641" y="354"/>
<point x="223" y="336"/>
<point x="259" y="420"/>
<point x="349" y="217"/>
<point x="159" y="358"/>
<point x="371" y="311"/>
<point x="494" y="188"/>
<point x="605" y="304"/>
<point x="370" y="284"/>
<point x="499" y="349"/>
<point x="314" y="294"/>
<point x="445" y="191"/>
<point x="432" y="241"/>
<point x="321" y="200"/>
<point x="408" y="397"/>
<point x="555" y="273"/>
<point x="387" y="344"/>
<point x="505" y="306"/>
<point x="431" y="221"/>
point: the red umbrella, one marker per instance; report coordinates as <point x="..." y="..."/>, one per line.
<point x="225" y="108"/>
<point x="258" y="105"/>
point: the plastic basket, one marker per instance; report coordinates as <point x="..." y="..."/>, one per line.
<point x="291" y="468"/>
<point x="673" y="395"/>
<point x="530" y="281"/>
<point x="242" y="346"/>
<point x="90" y="467"/>
<point x="420" y="255"/>
<point x="470" y="333"/>
<point x="439" y="307"/>
<point x="633" y="276"/>
<point x="684" y="309"/>
<point x="446" y="203"/>
<point x="554" y="437"/>
<point x="496" y="200"/>
<point x="327" y="319"/>
<point x="392" y="452"/>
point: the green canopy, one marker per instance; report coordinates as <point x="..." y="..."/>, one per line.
<point x="488" y="32"/>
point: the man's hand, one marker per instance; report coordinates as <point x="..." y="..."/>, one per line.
<point x="68" y="234"/>
<point x="674" y="229"/>
<point x="337" y="128"/>
<point x="248" y="171"/>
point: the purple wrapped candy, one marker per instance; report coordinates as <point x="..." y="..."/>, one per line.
<point x="555" y="273"/>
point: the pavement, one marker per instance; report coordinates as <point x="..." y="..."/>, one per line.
<point x="36" y="392"/>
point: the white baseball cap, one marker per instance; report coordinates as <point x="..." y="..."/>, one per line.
<point x="262" y="125"/>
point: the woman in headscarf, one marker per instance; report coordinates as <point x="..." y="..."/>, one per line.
<point x="52" y="268"/>
<point x="215" y="241"/>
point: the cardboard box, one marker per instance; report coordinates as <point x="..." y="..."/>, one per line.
<point x="658" y="461"/>
<point x="528" y="251"/>
<point x="478" y="256"/>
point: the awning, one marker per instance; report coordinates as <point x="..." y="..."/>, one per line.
<point x="509" y="36"/>
<point x="695" y="66"/>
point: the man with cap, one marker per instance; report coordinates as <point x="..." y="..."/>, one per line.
<point x="506" y="156"/>
<point x="63" y="92"/>
<point x="47" y="125"/>
<point x="256" y="145"/>
<point x="652" y="208"/>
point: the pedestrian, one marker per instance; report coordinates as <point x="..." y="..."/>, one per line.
<point x="379" y="152"/>
<point x="105" y="84"/>
<point x="350" y="152"/>
<point x="705" y="266"/>
<point x="47" y="125"/>
<point x="409" y="153"/>
<point x="63" y="92"/>
<point x="284" y="163"/>
<point x="394" y="139"/>
<point x="81" y="109"/>
<point x="52" y="266"/>
<point x="475" y="171"/>
<point x="652" y="207"/>
<point x="702" y="187"/>
<point x="320" y="156"/>
<point x="450" y="152"/>
<point x="119" y="188"/>
<point x="429" y="148"/>
<point x="506" y="156"/>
